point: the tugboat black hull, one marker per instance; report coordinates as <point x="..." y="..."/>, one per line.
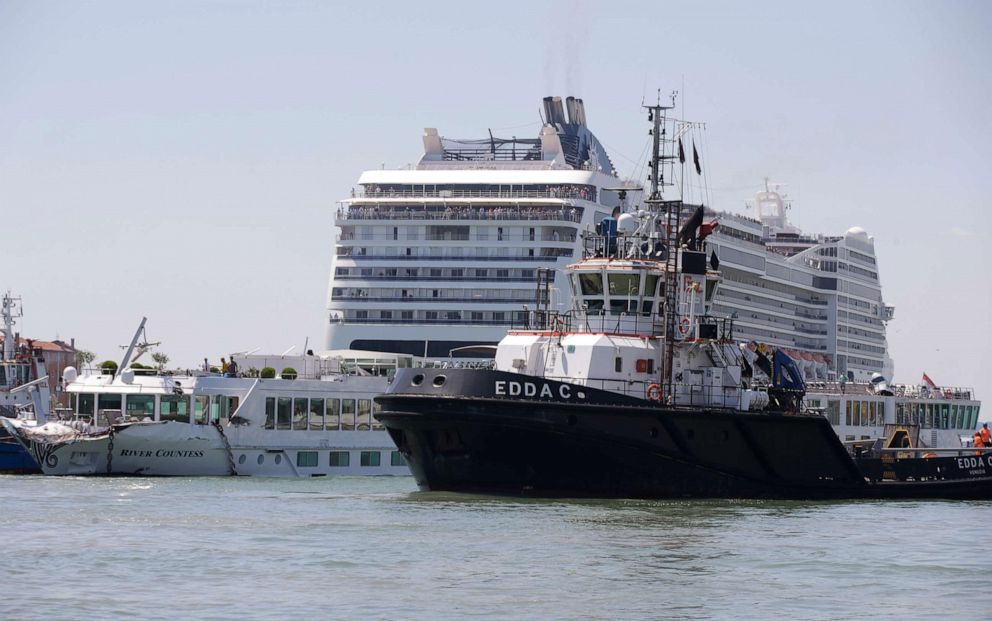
<point x="470" y="434"/>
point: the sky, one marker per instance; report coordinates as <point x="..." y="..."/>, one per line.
<point x="183" y="160"/>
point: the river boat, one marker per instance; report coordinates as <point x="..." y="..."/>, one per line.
<point x="21" y="393"/>
<point x="139" y="422"/>
<point x="640" y="391"/>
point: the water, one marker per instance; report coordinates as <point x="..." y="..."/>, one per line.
<point x="374" y="548"/>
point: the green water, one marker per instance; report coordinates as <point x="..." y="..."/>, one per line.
<point x="374" y="548"/>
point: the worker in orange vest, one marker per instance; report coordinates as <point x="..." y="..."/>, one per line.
<point x="977" y="442"/>
<point x="986" y="435"/>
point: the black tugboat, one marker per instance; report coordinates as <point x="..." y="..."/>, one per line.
<point x="638" y="392"/>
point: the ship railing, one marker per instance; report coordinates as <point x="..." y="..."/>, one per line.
<point x="479" y="236"/>
<point x="461" y="212"/>
<point x="580" y="193"/>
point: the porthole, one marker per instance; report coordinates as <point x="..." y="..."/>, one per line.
<point x="439" y="381"/>
<point x="242" y="459"/>
<point x="261" y="459"/>
<point x="417" y="380"/>
<point x="278" y="459"/>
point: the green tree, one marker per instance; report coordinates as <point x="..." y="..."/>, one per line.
<point x="160" y="360"/>
<point x="267" y="373"/>
<point x="84" y="358"/>
<point x="289" y="373"/>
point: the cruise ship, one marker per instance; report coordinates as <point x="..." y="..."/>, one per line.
<point x="447" y="255"/>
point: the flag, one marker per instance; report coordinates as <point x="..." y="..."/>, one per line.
<point x="695" y="159"/>
<point x="928" y="381"/>
<point x="681" y="152"/>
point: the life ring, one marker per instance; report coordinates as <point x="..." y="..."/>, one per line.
<point x="684" y="325"/>
<point x="654" y="392"/>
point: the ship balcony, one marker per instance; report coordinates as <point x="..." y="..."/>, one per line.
<point x="586" y="193"/>
<point x="561" y="238"/>
<point x="460" y="212"/>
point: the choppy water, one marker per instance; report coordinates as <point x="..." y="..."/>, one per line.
<point x="374" y="548"/>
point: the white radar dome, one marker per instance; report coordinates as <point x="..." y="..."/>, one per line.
<point x="857" y="231"/>
<point x="127" y="375"/>
<point x="626" y="223"/>
<point x="69" y="374"/>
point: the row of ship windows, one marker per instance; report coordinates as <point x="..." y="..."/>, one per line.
<point x="871" y="335"/>
<point x="772" y="319"/>
<point x="439" y="273"/>
<point x="862" y="363"/>
<point x="787" y="307"/>
<point x="455" y="252"/>
<point x="340" y="459"/>
<point x="745" y="278"/>
<point x="458" y="233"/>
<point x="859" y="347"/>
<point x="447" y="212"/>
<point x="435" y="295"/>
<point x="317" y="414"/>
<point x="926" y="415"/>
<point x="387" y="316"/>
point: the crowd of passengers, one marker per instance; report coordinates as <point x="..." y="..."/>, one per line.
<point x="553" y="191"/>
<point x="460" y="212"/>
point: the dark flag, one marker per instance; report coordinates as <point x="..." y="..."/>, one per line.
<point x="714" y="261"/>
<point x="695" y="159"/>
<point x="681" y="152"/>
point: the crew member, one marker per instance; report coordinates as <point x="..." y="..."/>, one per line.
<point x="224" y="367"/>
<point x="978" y="442"/>
<point x="986" y="435"/>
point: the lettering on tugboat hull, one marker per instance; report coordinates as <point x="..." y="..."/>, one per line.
<point x="511" y="388"/>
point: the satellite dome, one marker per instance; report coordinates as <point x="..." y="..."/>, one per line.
<point x="856" y="231"/>
<point x="127" y="375"/>
<point x="69" y="374"/>
<point x="626" y="223"/>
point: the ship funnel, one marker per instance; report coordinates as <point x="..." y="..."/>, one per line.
<point x="559" y="111"/>
<point x="576" y="111"/>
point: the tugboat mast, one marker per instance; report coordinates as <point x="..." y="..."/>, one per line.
<point x="662" y="155"/>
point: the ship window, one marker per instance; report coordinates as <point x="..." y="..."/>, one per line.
<point x="625" y="284"/>
<point x="370" y="458"/>
<point x="270" y="412"/>
<point x="847" y="415"/>
<point x="622" y="306"/>
<point x="108" y="408"/>
<point x="650" y="365"/>
<point x="618" y="364"/>
<point x="650" y="285"/>
<point x="306" y="459"/>
<point x="348" y="414"/>
<point x="284" y="412"/>
<point x="86" y="404"/>
<point x="592" y="284"/>
<point x="364" y="414"/>
<point x="396" y="459"/>
<point x="201" y="409"/>
<point x="594" y="306"/>
<point x="316" y="414"/>
<point x="646" y="307"/>
<point x="339" y="459"/>
<point x="140" y="406"/>
<point x="332" y="417"/>
<point x="174" y="407"/>
<point x="300" y="414"/>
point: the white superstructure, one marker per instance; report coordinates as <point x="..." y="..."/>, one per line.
<point x="448" y="254"/>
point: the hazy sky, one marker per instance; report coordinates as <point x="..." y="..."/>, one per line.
<point x="182" y="160"/>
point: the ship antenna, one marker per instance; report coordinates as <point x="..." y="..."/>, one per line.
<point x="663" y="155"/>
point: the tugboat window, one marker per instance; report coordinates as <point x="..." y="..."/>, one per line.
<point x="650" y="285"/>
<point x="625" y="284"/>
<point x="618" y="364"/>
<point x="592" y="284"/>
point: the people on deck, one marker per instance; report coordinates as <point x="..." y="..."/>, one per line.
<point x="986" y="435"/>
<point x="224" y="367"/>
